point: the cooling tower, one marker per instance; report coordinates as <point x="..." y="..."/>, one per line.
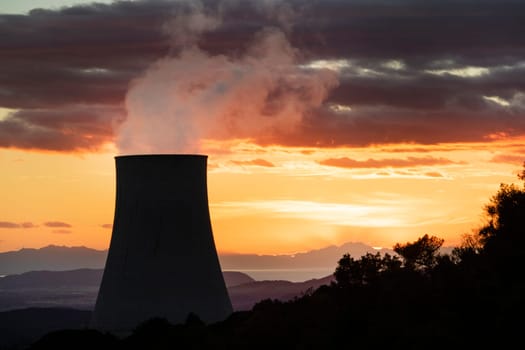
<point x="162" y="260"/>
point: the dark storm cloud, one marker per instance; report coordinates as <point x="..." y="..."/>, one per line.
<point x="411" y="71"/>
<point x="473" y="31"/>
<point x="375" y="125"/>
<point x="418" y="89"/>
<point x="78" y="55"/>
<point x="67" y="72"/>
<point x="64" y="128"/>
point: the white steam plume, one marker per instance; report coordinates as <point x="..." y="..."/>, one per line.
<point x="180" y="101"/>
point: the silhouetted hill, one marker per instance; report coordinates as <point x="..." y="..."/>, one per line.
<point x="324" y="257"/>
<point x="78" y="289"/>
<point x="61" y="258"/>
<point x="245" y="296"/>
<point x="234" y="278"/>
<point x="19" y="328"/>
<point x="53" y="279"/>
<point x="74" y="289"/>
<point x="53" y="258"/>
<point x="84" y="278"/>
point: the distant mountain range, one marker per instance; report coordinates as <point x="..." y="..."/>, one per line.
<point x="61" y="258"/>
<point x="325" y="257"/>
<point x="78" y="289"/>
<point x="51" y="258"/>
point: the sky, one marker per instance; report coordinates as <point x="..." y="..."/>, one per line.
<point x="324" y="122"/>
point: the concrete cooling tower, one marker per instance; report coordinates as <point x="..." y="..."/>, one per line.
<point x="162" y="260"/>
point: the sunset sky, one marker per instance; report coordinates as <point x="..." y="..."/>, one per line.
<point x="324" y="121"/>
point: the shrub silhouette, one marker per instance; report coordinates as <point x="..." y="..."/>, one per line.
<point x="420" y="255"/>
<point x="82" y="339"/>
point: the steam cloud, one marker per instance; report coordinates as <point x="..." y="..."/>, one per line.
<point x="192" y="95"/>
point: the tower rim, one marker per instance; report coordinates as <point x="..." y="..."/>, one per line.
<point x="162" y="155"/>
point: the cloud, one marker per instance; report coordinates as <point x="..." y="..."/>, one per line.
<point x="256" y="162"/>
<point x="8" y="224"/>
<point x="372" y="212"/>
<point x="71" y="68"/>
<point x="517" y="159"/>
<point x="408" y="71"/>
<point x="56" y="224"/>
<point x="385" y="125"/>
<point x="434" y="174"/>
<point x="346" y="162"/>
<point x="71" y="128"/>
<point x="109" y="226"/>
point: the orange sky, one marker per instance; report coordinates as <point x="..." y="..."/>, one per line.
<point x="271" y="200"/>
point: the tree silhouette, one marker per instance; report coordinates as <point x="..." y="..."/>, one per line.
<point x="470" y="247"/>
<point x="506" y="219"/>
<point x="364" y="271"/>
<point x="347" y="272"/>
<point x="521" y="174"/>
<point x="420" y="255"/>
<point x="503" y="236"/>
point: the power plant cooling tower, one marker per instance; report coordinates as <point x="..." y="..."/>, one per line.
<point x="162" y="260"/>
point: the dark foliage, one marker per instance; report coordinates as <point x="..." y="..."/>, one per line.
<point x="81" y="339"/>
<point x="19" y="328"/>
<point x="421" y="254"/>
<point x="420" y="299"/>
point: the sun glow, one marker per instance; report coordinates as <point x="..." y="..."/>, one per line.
<point x="328" y="213"/>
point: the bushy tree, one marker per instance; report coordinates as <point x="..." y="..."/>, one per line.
<point x="470" y="247"/>
<point x="421" y="254"/>
<point x="506" y="219"/>
<point x="521" y="174"/>
<point x="363" y="271"/>
<point x="503" y="235"/>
